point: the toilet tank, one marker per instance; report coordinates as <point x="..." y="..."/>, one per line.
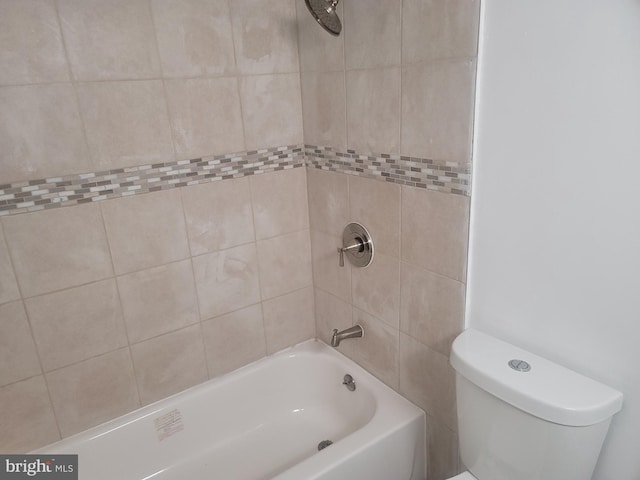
<point x="534" y="420"/>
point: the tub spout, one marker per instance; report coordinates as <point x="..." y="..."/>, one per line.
<point x="354" y="332"/>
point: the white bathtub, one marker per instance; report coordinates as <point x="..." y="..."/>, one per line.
<point x="264" y="421"/>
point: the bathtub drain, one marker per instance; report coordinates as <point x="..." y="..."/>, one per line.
<point x="324" y="444"/>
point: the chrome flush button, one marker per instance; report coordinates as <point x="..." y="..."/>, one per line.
<point x="519" y="365"/>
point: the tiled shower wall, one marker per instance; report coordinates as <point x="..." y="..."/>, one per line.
<point x="396" y="89"/>
<point x="90" y="86"/>
<point x="109" y="305"/>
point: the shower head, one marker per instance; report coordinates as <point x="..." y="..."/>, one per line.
<point x="324" y="11"/>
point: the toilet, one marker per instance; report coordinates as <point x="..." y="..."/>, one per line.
<point x="522" y="417"/>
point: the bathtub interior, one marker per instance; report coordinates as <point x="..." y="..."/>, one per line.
<point x="254" y="423"/>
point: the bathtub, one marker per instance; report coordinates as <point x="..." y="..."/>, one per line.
<point x="264" y="421"/>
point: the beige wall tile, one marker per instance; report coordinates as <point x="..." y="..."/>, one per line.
<point x="373" y="33"/>
<point x="328" y="201"/>
<point x="94" y="391"/>
<point x="280" y="202"/>
<point x="74" y="250"/>
<point x="27" y="417"/>
<point x="272" y="110"/>
<point x="331" y="312"/>
<point x="324" y="108"/>
<point x="285" y="263"/>
<point x="376" y="289"/>
<point x="77" y="324"/>
<point x="265" y="36"/>
<point x="289" y="319"/>
<point x="18" y="356"/>
<point x="435" y="231"/>
<point x="327" y="273"/>
<point x="32" y="50"/>
<point x="377" y="350"/>
<point x="205" y="116"/>
<point x="194" y="37"/>
<point x="432" y="307"/>
<point x="8" y="283"/>
<point x="218" y="215"/>
<point x="127" y="123"/>
<point x="442" y="462"/>
<point x="436" y="29"/>
<point x="109" y="40"/>
<point x="40" y="132"/>
<point x="373" y="110"/>
<point x="158" y="300"/>
<point x="226" y="280"/>
<point x="319" y="51"/>
<point x="169" y="364"/>
<point x="376" y="205"/>
<point x="234" y="340"/>
<point x="427" y="379"/>
<point x="437" y="110"/>
<point x="146" y="230"/>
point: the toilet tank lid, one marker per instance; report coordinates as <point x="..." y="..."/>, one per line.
<point x="548" y="390"/>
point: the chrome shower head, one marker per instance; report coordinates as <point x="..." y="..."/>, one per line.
<point x="324" y="11"/>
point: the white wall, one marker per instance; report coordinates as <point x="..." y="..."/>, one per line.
<point x="555" y="233"/>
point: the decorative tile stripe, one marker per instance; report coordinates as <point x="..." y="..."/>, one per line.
<point x="34" y="195"/>
<point x="56" y="192"/>
<point x="448" y="177"/>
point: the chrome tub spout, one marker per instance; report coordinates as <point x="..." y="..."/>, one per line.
<point x="354" y="332"/>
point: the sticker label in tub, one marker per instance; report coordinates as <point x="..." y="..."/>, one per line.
<point x="169" y="424"/>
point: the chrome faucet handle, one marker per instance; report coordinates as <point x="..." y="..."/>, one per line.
<point x="359" y="246"/>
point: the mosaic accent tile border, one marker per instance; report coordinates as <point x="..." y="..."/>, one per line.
<point x="43" y="194"/>
<point x="448" y="177"/>
<point x="76" y="189"/>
